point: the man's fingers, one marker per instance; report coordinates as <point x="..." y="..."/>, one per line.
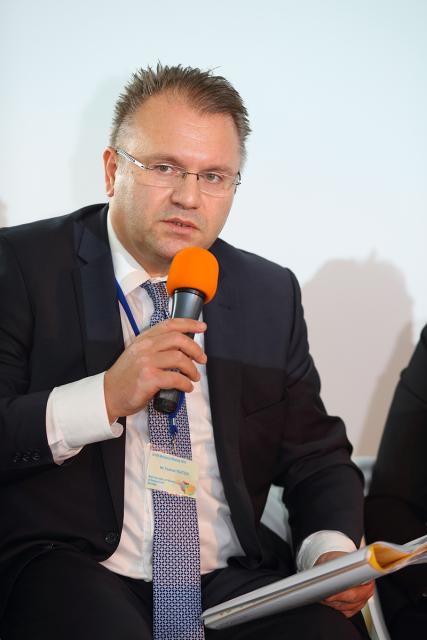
<point x="362" y="592"/>
<point x="174" y="380"/>
<point x="350" y="601"/>
<point x="175" y="360"/>
<point x="341" y="606"/>
<point x="182" y="325"/>
<point x="156" y="342"/>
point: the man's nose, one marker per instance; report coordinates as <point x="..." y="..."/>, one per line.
<point x="186" y="192"/>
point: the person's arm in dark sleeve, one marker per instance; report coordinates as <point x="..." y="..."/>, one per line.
<point x="323" y="488"/>
<point x="396" y="508"/>
<point x="22" y="412"/>
<point x="42" y="427"/>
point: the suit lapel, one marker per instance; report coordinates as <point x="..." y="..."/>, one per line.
<point x="102" y="333"/>
<point x="224" y="348"/>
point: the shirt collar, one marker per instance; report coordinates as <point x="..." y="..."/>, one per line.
<point x="129" y="273"/>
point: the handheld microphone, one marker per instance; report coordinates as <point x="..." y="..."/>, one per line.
<point x="192" y="282"/>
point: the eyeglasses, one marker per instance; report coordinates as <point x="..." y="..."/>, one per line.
<point x="163" y="174"/>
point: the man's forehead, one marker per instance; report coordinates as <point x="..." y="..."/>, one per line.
<point x="169" y="123"/>
<point x="166" y="101"/>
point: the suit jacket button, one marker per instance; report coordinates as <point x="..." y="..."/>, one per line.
<point x="17" y="457"/>
<point x="111" y="537"/>
<point x="35" y="456"/>
<point x="25" y="458"/>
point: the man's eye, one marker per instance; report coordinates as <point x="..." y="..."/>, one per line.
<point x="164" y="169"/>
<point x="214" y="178"/>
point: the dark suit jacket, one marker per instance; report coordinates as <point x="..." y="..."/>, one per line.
<point x="60" y="322"/>
<point x="396" y="508"/>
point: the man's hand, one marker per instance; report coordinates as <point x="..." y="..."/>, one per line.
<point x="351" y="600"/>
<point x="150" y="364"/>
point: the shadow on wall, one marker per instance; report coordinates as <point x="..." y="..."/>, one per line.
<point x="359" y="316"/>
<point x="386" y="383"/>
<point x="86" y="168"/>
<point x="3" y="217"/>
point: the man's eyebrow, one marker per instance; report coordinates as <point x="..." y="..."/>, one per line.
<point x="170" y="159"/>
<point x="220" y="169"/>
<point x="162" y="157"/>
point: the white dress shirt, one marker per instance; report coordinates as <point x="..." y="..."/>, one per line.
<point x="76" y="416"/>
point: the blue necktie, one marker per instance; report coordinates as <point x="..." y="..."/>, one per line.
<point x="177" y="604"/>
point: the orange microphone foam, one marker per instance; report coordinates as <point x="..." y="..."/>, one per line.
<point x="194" y="268"/>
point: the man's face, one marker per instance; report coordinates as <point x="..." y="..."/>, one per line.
<point x="153" y="222"/>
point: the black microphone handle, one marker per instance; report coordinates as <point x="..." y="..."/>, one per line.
<point x="186" y="303"/>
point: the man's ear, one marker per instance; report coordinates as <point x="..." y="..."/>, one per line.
<point x="110" y="167"/>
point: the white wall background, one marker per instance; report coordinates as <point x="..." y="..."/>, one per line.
<point x="335" y="185"/>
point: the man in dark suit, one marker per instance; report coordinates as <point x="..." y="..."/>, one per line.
<point x="396" y="508"/>
<point x="77" y="520"/>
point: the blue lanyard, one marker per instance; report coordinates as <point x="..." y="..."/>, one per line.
<point x="173" y="427"/>
<point x="126" y="308"/>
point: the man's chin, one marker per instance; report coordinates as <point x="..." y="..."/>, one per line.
<point x="167" y="250"/>
<point x="172" y="249"/>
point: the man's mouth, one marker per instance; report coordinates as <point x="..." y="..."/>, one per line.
<point x="181" y="223"/>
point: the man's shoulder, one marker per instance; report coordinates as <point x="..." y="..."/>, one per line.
<point x="245" y="264"/>
<point x="90" y="216"/>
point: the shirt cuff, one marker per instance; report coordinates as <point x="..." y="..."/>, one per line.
<point x="76" y="415"/>
<point x="321" y="542"/>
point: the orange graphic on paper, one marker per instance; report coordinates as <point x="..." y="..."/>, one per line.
<point x="187" y="488"/>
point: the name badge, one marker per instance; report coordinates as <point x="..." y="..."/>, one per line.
<point x="177" y="476"/>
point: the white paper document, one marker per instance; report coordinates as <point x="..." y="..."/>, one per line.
<point x="373" y="561"/>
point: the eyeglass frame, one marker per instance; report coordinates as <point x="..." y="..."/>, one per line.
<point x="184" y="173"/>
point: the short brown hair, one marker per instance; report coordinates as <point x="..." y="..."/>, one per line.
<point x="206" y="92"/>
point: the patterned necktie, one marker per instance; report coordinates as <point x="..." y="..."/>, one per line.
<point x="177" y="604"/>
